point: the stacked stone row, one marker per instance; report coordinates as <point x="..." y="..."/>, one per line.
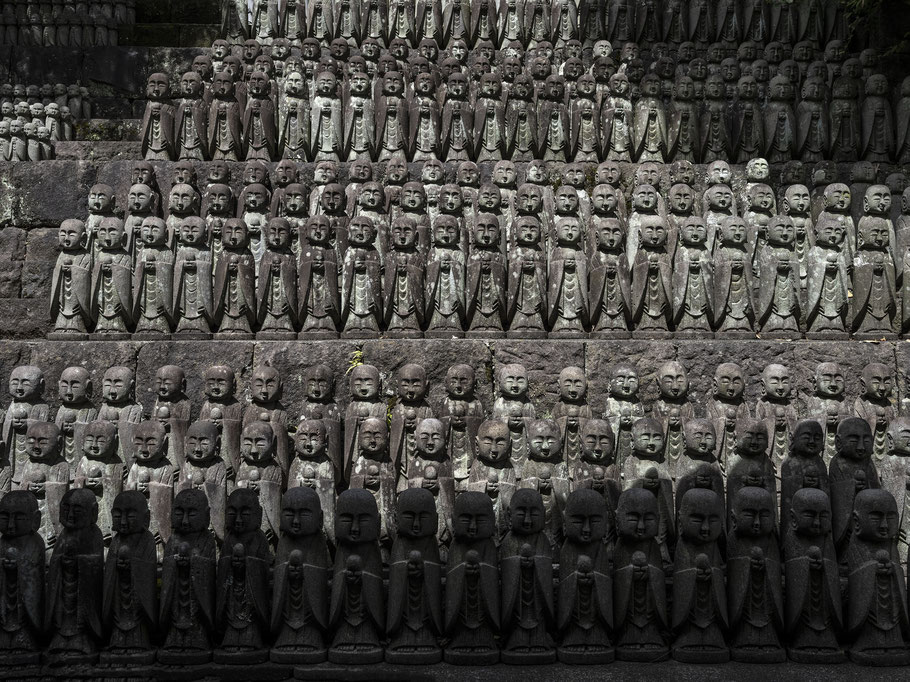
<point x="529" y="577"/>
<point x="60" y="23"/>
<point x="527" y="22"/>
<point x="426" y="259"/>
<point x="519" y="105"/>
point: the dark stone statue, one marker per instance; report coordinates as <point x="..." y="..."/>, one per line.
<point x="74" y="583"/>
<point x="803" y="464"/>
<point x="526" y="565"/>
<point x="357" y="608"/>
<point x="204" y="469"/>
<point x="130" y="606"/>
<point x="851" y="471"/>
<point x="754" y="588"/>
<point x="188" y="583"/>
<point x="300" y="593"/>
<point x="242" y="583"/>
<point x="813" y="597"/>
<point x="699" y="596"/>
<point x="639" y="583"/>
<point x="71" y="307"/>
<point x="100" y="470"/>
<point x="22" y="587"/>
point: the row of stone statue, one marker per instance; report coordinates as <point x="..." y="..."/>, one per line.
<point x="447" y="448"/>
<point x="58" y="122"/>
<point x="502" y="22"/>
<point x="580" y="270"/>
<point x="55" y="23"/>
<point x="607" y="596"/>
<point x="74" y="99"/>
<point x="535" y="114"/>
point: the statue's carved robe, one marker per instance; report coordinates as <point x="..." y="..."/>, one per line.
<point x="130" y="601"/>
<point x="71" y="292"/>
<point x="224" y="130"/>
<point x="235" y="293"/>
<point x="318" y="295"/>
<point x="276" y="296"/>
<point x="156" y="131"/>
<point x="300" y="605"/>
<point x="112" y="292"/>
<point x="874" y="302"/>
<point x="191" y="129"/>
<point x="22" y="595"/>
<point x="445" y="290"/>
<point x="486" y="291"/>
<point x="193" y="307"/>
<point x="362" y="307"/>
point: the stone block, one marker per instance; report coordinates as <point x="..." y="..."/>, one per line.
<point x="50" y="192"/>
<point x="10" y="279"/>
<point x="24" y="319"/>
<point x="41" y="243"/>
<point x="12" y="243"/>
<point x="36" y="281"/>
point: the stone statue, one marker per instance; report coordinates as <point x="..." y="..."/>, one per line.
<point x="300" y="590"/>
<point x="357" y="607"/>
<point x="567" y="294"/>
<point x="750" y="464"/>
<point x="610" y="284"/>
<point x="813" y="603"/>
<point x="875" y="618"/>
<point x="157" y="127"/>
<point x="546" y="471"/>
<point x="374" y="470"/>
<point x="192" y="284"/>
<point x="276" y="283"/>
<point x="74" y="582"/>
<point x="205" y="470"/>
<point x="803" y="464"/>
<point x="129" y="609"/>
<point x="225" y="133"/>
<point x="318" y="295"/>
<point x="779" y="306"/>
<point x="828" y="282"/>
<point x="486" y="280"/>
<point x="585" y="595"/>
<point x="234" y="284"/>
<point x="100" y="469"/>
<point x="693" y="280"/>
<point x="617" y="120"/>
<point x="525" y="559"/>
<point x="472" y="604"/>
<point x="597" y="467"/>
<point x="851" y="471"/>
<point x="361" y="279"/>
<point x="76" y="410"/>
<point x="698" y="466"/>
<point x="445" y="279"/>
<point x="754" y="586"/>
<point x="652" y="298"/>
<point x="172" y="408"/>
<point x="672" y="407"/>
<point x="241" y="582"/>
<point x="876" y="116"/>
<point x="874" y="303"/>
<point x="22" y="579"/>
<point x="403" y="281"/>
<point x="492" y="472"/>
<point x="527" y="272"/>
<point x="153" y="282"/>
<point x="112" y="291"/>
<point x="727" y="407"/>
<point x="639" y="583"/>
<point x="45" y="473"/>
<point x="153" y="475"/>
<point x="623" y="407"/>
<point x="699" y="596"/>
<point x="188" y="583"/>
<point x="645" y="467"/>
<point x="683" y="134"/>
<point x="812" y="122"/>
<point x="360" y="122"/>
<point x="70" y="305"/>
<point x="410" y="409"/>
<point x="312" y="468"/>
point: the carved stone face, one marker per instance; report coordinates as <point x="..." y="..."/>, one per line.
<point x="446" y="232"/>
<point x="699" y="436"/>
<point x="100" y="198"/>
<point x="473" y="516"/>
<point x="597" y="440"/>
<point x="808" y="440"/>
<point x="170" y="382"/>
<point x="854" y="439"/>
<point x="545" y="442"/>
<point x="874" y="235"/>
<point x="636" y="515"/>
<point x="365" y="382"/>
<point x="26" y="383"/>
<point x="673" y="381"/>
<point x="403" y="233"/>
<point x="219" y="199"/>
<point x="278" y="234"/>
<point x="110" y="234"/>
<point x="728" y="382"/>
<point x="877" y="200"/>
<point x="130" y="513"/>
<point x="877" y="382"/>
<point x="99" y="440"/>
<point x="74" y="386"/>
<point x="568" y="232"/>
<point x="733" y="232"/>
<point x="698" y="516"/>
<point x="624" y="382"/>
<point x="149" y="441"/>
<point x="776" y="382"/>
<point x="310" y="439"/>
<point x="829" y="380"/>
<point x="117" y="385"/>
<point x="585" y="517"/>
<point x="513" y="381"/>
<point x="266" y="385"/>
<point x="751" y="439"/>
<point x="301" y="513"/>
<point x="654" y="235"/>
<point x="899" y="437"/>
<point x="486" y="231"/>
<point x="192" y="232"/>
<point x="610" y="234"/>
<point x="191" y="85"/>
<point x="158" y="87"/>
<point x="412" y="383"/>
<point x="875" y="517"/>
<point x="153" y="232"/>
<point x="753" y="513"/>
<point x="430" y="438"/>
<point x="416" y="513"/>
<point x="78" y="509"/>
<point x="190" y="512"/>
<point x="493" y="442"/>
<point x="528" y="232"/>
<point x="647" y="438"/>
<point x="356" y="517"/>
<point x="317" y="231"/>
<point x="42" y="441"/>
<point x="373" y="438"/>
<point x="19" y="514"/>
<point x="202" y="442"/>
<point x="694" y="232"/>
<point x="244" y="513"/>
<point x="526" y="512"/>
<point x="810" y="513"/>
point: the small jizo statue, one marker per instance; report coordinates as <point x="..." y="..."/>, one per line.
<point x="101" y="470"/>
<point x="188" y="583"/>
<point x="222" y="408"/>
<point x="415" y="583"/>
<point x="828" y="281"/>
<point x="205" y="470"/>
<point x="754" y="588"/>
<point x="300" y="598"/>
<point x="750" y="464"/>
<point x="153" y="476"/>
<point x="527" y="282"/>
<point x="876" y="619"/>
<point x="313" y="469"/>
<point x="693" y="281"/>
<point x="585" y="595"/>
<point x="874" y="404"/>
<point x="514" y="406"/>
<point x="546" y="471"/>
<point x="76" y="410"/>
<point x="472" y="583"/>
<point x="261" y="474"/>
<point x="726" y="407"/>
<point x="74" y="583"/>
<point x="242" y="591"/>
<point x="874" y="303"/>
<point x="806" y="448"/>
<point x="461" y="414"/>
<point x="572" y="411"/>
<point x="46" y="474"/>
<point x="234" y="292"/>
<point x="70" y="309"/>
<point x="492" y="472"/>
<point x="526" y="565"/>
<point x="357" y="612"/>
<point x="130" y="607"/>
<point x="639" y="582"/>
<point x="813" y="596"/>
<point x="779" y="306"/>
<point x="699" y="594"/>
<point x="22" y="579"/>
<point x="112" y="287"/>
<point x="652" y="283"/>
<point x="851" y="471"/>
